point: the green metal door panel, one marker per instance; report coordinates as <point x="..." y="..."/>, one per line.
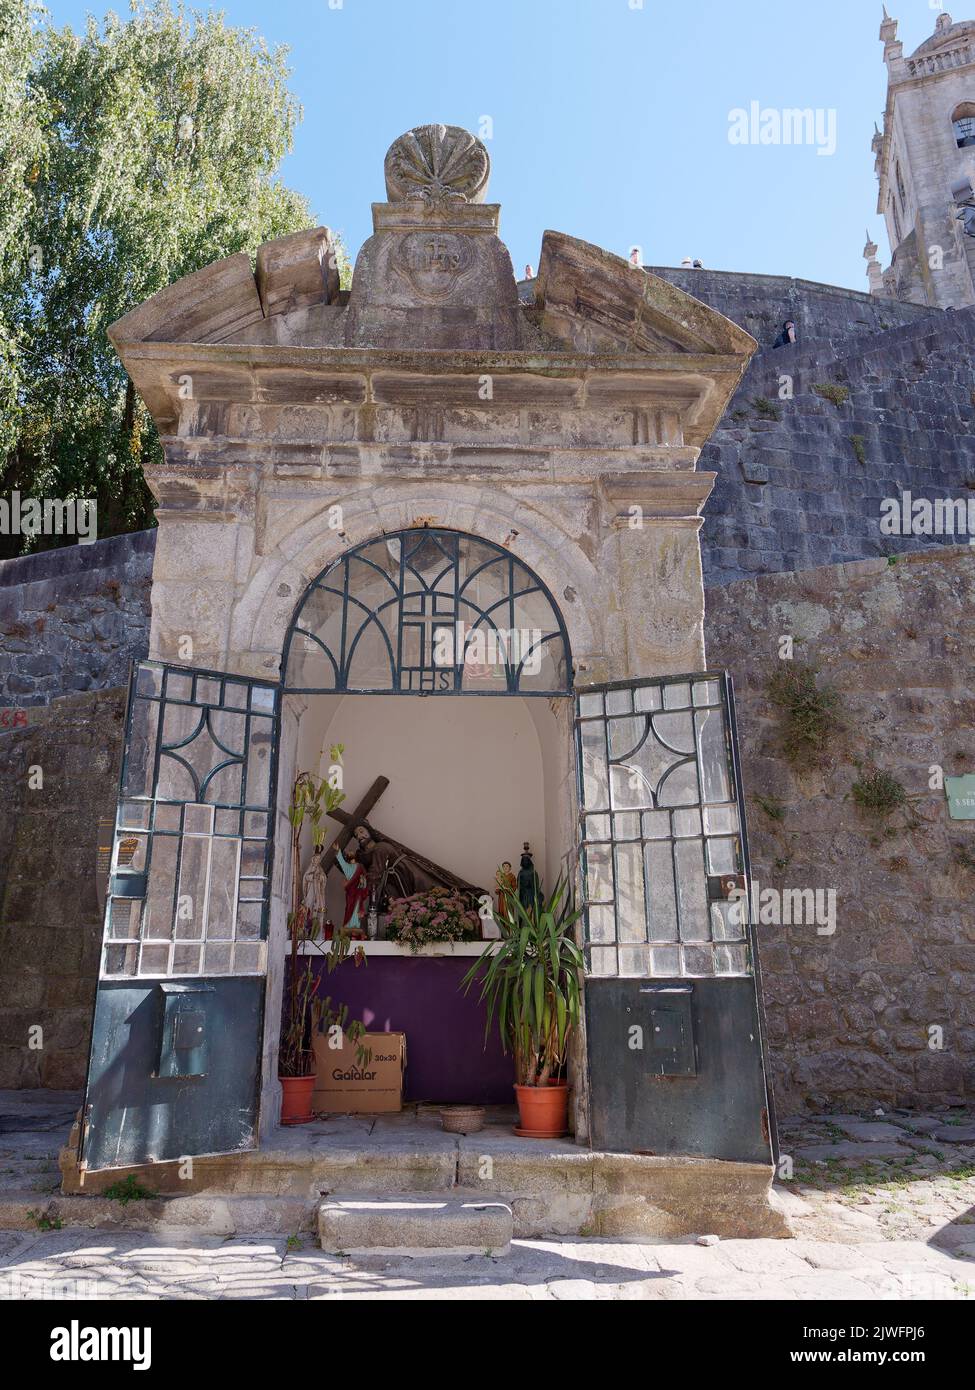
<point x="177" y="1034"/>
<point x="137" y="1114"/>
<point x="675" y="1030"/>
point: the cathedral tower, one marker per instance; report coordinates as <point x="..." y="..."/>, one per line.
<point x="926" y="146"/>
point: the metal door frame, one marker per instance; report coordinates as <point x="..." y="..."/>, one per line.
<point x="135" y="666"/>
<point x="726" y="682"/>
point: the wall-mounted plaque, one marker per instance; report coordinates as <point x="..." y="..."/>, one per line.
<point x="961" y="796"/>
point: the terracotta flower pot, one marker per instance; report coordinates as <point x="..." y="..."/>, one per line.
<point x="543" y="1111"/>
<point x="296" y="1099"/>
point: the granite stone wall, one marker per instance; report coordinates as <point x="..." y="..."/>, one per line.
<point x="851" y="1014"/>
<point x="72" y="619"/>
<point x="762" y="303"/>
<point x="51" y="883"/>
<point x="801" y="480"/>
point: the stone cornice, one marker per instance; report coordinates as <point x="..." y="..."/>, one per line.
<point x="433" y="361"/>
<point x="208" y="458"/>
<point x="695" y="386"/>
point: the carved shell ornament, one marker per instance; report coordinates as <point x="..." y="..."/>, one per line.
<point x="437" y="164"/>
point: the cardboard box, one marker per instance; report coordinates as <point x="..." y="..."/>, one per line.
<point x="346" y="1086"/>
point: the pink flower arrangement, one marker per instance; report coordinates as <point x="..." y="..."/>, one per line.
<point x="434" y="916"/>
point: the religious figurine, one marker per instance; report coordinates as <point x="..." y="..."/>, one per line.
<point x="356" y="890"/>
<point x="529" y="886"/>
<point x="507" y="887"/>
<point x="392" y="872"/>
<point x="313" y="887"/>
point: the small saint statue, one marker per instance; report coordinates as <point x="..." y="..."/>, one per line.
<point x="356" y="890"/>
<point x="313" y="887"/>
<point x="507" y="887"/>
<point x="529" y="886"/>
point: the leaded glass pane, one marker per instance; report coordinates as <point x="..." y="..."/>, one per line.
<point x="154" y="960"/>
<point x="135" y="815"/>
<point x="630" y="901"/>
<point x="697" y="960"/>
<point x="731" y="960"/>
<point x="121" y="960"/>
<point x="157" y="919"/>
<point x="124" y="916"/>
<point x="634" y="960"/>
<point x="140" y="752"/>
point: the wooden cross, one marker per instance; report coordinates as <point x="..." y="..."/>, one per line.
<point x="351" y="821"/>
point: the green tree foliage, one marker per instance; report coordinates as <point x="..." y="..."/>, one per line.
<point x="21" y="150"/>
<point x="129" y="156"/>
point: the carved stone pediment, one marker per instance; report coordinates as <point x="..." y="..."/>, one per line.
<point x="597" y="302"/>
<point x="632" y="360"/>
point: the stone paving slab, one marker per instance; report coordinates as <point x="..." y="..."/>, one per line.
<point x="848" y="1148"/>
<point x="867" y="1130"/>
<point x="127" y="1265"/>
<point x="955" y="1134"/>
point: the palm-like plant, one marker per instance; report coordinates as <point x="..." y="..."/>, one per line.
<point x="530" y="982"/>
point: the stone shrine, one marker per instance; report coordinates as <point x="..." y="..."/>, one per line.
<point x="350" y="477"/>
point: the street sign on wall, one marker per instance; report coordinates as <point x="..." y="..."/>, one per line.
<point x="961" y="796"/>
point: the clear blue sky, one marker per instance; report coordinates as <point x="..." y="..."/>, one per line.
<point x="610" y="122"/>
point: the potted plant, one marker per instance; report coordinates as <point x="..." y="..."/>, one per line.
<point x="312" y="798"/>
<point x="530" y="982"/>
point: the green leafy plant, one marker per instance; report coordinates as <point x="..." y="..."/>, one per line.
<point x="530" y="983"/>
<point x="878" y="793"/>
<point x="831" y="391"/>
<point x="765" y="408"/>
<point x="43" y="1222"/>
<point x="312" y="799"/>
<point x="326" y="1016"/>
<point x="131" y="154"/>
<point x="811" y="712"/>
<point x="433" y="916"/>
<point x="129" y="1189"/>
<point x="859" y="447"/>
<point x="963" y="857"/>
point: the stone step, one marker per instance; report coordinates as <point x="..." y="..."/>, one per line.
<point x="215" y="1214"/>
<point x="404" y="1224"/>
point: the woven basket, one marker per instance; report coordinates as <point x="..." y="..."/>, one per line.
<point x="462" y="1119"/>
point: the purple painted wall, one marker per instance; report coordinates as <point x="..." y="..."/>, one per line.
<point x="446" y="1056"/>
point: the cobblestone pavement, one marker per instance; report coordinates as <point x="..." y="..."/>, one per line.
<point x="883" y="1207"/>
<point x="898" y="1176"/>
